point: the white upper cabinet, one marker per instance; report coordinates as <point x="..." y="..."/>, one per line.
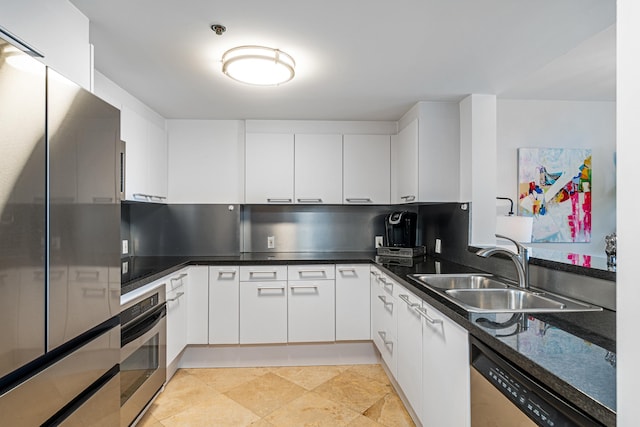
<point x="318" y="169"/>
<point x="57" y="30"/>
<point x="367" y="169"/>
<point x="425" y="155"/>
<point x="206" y="161"/>
<point x="404" y="165"/>
<point x="146" y="158"/>
<point x="269" y="168"/>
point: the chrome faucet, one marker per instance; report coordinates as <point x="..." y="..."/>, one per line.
<point x="521" y="259"/>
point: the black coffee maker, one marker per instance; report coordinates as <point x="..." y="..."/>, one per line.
<point x="400" y="229"/>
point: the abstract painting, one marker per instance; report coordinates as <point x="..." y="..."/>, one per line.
<point x="554" y="187"/>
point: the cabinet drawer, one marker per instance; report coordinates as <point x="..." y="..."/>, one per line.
<point x="263" y="273"/>
<point x="311" y="272"/>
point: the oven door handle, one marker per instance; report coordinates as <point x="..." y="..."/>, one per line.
<point x="139" y="330"/>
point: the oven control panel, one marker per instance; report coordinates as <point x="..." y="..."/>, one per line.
<point x="139" y="309"/>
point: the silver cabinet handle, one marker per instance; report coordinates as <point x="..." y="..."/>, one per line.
<point x="375" y="274"/>
<point x="384" y="300"/>
<point x="277" y="200"/>
<point x="350" y="270"/>
<point x="409" y="198"/>
<point x="405" y="298"/>
<point x="147" y="197"/>
<point x="180" y="277"/>
<point x="102" y="199"/>
<point x="178" y="295"/>
<point x="270" y="273"/>
<point x="300" y="287"/>
<point x="358" y="200"/>
<point x="383" y="335"/>
<point x="223" y="272"/>
<point x="422" y="312"/>
<point x="318" y="200"/>
<point x="322" y="273"/>
<point x="271" y="288"/>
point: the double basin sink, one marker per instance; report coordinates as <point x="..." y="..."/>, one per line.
<point x="484" y="293"/>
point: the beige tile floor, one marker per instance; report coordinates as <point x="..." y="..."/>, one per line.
<point x="356" y="396"/>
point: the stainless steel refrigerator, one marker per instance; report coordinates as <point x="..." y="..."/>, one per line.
<point x="59" y="240"/>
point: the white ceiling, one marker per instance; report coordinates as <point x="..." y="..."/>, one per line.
<point x="356" y="59"/>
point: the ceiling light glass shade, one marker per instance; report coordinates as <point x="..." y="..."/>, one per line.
<point x="258" y="65"/>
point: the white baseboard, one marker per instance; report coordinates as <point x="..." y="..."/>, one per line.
<point x="245" y="356"/>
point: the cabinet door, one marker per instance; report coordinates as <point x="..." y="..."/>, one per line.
<point x="263" y="312"/>
<point x="404" y="165"/>
<point x="409" y="346"/>
<point x="384" y="325"/>
<point x="146" y="162"/>
<point x="157" y="158"/>
<point x="269" y="168"/>
<point x="311" y="310"/>
<point x="203" y="153"/>
<point x="445" y="373"/>
<point x="198" y="305"/>
<point x="133" y="132"/>
<point x="353" y="306"/>
<point x="318" y="169"/>
<point x="176" y="319"/>
<point x="367" y="169"/>
<point x="224" y="305"/>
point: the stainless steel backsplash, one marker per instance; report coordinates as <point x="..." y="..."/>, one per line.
<point x="182" y="230"/>
<point x="313" y="228"/>
<point x="213" y="230"/>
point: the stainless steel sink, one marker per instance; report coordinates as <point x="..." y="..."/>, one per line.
<point x="504" y="300"/>
<point x="484" y="293"/>
<point x="459" y="281"/>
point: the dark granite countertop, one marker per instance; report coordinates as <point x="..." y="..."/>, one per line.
<point x="573" y="354"/>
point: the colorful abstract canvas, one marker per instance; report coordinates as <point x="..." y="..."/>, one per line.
<point x="554" y="186"/>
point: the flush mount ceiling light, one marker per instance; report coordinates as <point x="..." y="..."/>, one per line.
<point x="258" y="65"/>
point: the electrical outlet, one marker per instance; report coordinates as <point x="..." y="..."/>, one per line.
<point x="438" y="246"/>
<point x="125" y="267"/>
<point x="125" y="247"/>
<point x="379" y="242"/>
<point x="271" y="242"/>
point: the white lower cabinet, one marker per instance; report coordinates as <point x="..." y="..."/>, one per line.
<point x="384" y="318"/>
<point x="198" y="305"/>
<point x="445" y="374"/>
<point x="409" y="348"/>
<point x="353" y="305"/>
<point x="311" y="303"/>
<point x="263" y="305"/>
<point x="176" y="292"/>
<point x="311" y="310"/>
<point x="224" y="305"/>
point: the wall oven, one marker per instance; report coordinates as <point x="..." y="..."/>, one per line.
<point x="143" y="353"/>
<point x="504" y="395"/>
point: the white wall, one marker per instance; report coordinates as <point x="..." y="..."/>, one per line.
<point x="110" y="92"/>
<point x="568" y="124"/>
<point x="57" y="30"/>
<point x="628" y="289"/>
<point x="478" y="165"/>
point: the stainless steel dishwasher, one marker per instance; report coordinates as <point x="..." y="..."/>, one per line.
<point x="503" y="395"/>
